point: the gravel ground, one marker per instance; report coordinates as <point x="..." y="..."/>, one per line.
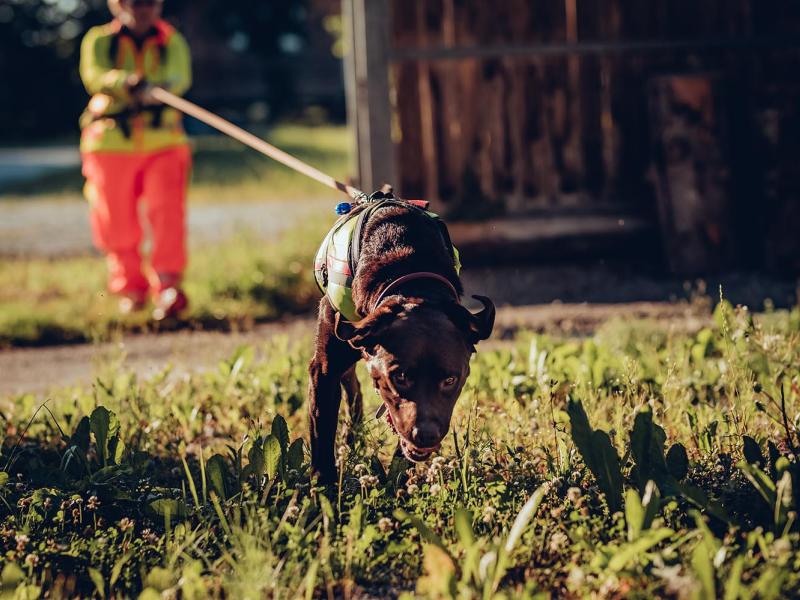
<point x="53" y="228"/>
<point x="36" y="370"/>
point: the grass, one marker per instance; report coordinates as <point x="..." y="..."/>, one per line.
<point x="225" y="170"/>
<point x="230" y="284"/>
<point x="634" y="463"/>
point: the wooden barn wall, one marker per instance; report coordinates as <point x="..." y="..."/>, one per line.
<point x="523" y="134"/>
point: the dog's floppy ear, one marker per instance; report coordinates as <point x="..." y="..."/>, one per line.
<point x="477" y="326"/>
<point x="362" y="334"/>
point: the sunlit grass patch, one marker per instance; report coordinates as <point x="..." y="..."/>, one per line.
<point x="231" y="284"/>
<point x="635" y="463"/>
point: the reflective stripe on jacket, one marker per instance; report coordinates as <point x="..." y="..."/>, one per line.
<point x="109" y="54"/>
<point x="337" y="258"/>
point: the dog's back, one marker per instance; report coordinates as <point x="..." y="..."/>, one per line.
<point x="399" y="240"/>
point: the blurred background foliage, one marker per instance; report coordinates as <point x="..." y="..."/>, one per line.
<point x="246" y="58"/>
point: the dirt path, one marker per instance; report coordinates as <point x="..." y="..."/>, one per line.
<point x="37" y="370"/>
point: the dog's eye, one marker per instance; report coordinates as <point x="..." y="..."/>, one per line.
<point x="449" y="382"/>
<point x="400" y="378"/>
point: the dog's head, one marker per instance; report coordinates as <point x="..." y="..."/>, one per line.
<point x="417" y="354"/>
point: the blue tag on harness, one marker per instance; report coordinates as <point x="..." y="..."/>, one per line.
<point x="343" y="208"/>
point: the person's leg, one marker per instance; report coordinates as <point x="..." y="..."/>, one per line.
<point x="164" y="193"/>
<point x="112" y="189"/>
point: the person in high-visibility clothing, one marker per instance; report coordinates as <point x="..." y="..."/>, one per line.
<point x="133" y="149"/>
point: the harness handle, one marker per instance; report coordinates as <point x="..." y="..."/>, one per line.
<point x="247" y="138"/>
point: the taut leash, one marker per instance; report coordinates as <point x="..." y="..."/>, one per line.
<point x="247" y="138"/>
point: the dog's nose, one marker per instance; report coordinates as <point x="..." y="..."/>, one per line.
<point x="425" y="435"/>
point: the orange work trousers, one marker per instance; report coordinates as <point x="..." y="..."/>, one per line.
<point x="115" y="182"/>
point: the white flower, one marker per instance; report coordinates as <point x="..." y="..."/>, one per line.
<point x="557" y="541"/>
<point x="385" y="524"/>
<point x="574" y="494"/>
<point x="412" y="488"/>
<point x="368" y="480"/>
<point x="488" y="514"/>
<point x="677" y="583"/>
<point x="435" y="488"/>
<point x="575" y="578"/>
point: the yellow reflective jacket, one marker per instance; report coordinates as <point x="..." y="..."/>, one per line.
<point x="109" y="54"/>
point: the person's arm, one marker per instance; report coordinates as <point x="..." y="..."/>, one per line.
<point x="97" y="72"/>
<point x="178" y="71"/>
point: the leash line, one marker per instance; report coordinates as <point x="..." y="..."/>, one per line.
<point x="247" y="138"/>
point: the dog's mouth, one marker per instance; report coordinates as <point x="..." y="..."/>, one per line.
<point x="409" y="450"/>
<point x="415" y="454"/>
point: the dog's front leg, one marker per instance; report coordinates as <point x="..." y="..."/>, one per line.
<point x="332" y="358"/>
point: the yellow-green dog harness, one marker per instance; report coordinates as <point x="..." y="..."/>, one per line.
<point x="337" y="258"/>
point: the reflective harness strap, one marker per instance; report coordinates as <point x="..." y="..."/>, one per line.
<point x="161" y="32"/>
<point x="411" y="277"/>
<point x="345" y="272"/>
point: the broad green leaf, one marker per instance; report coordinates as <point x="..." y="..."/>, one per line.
<point x="774" y="456"/>
<point x="3" y="479"/>
<point x="12" y="575"/>
<point x="598" y="453"/>
<point x="581" y="433"/>
<point x="609" y="476"/>
<point x="272" y="456"/>
<point x="647" y="449"/>
<point x="651" y="501"/>
<point x="159" y="578"/>
<point x="629" y="552"/>
<point x="218" y="474"/>
<point x="310" y="580"/>
<point x="634" y="514"/>
<point x="256" y="458"/>
<point x="733" y="585"/>
<point x="295" y="455"/>
<point x="80" y="437"/>
<point x="167" y="508"/>
<point x="463" y="525"/>
<point x="677" y="461"/>
<point x="784" y="501"/>
<point x="439" y="570"/>
<point x="116" y="570"/>
<point x="104" y="426"/>
<point x="752" y="452"/>
<point x="281" y="431"/>
<point x="99" y="582"/>
<point x="640" y="512"/>
<point x="704" y="572"/>
<point x="116" y="450"/>
<point x="100" y="425"/>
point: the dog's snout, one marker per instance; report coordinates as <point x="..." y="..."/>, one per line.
<point x="425" y="435"/>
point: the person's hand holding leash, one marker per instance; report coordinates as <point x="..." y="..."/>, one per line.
<point x="139" y="90"/>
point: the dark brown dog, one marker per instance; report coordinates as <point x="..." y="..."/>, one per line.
<point x="416" y="339"/>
